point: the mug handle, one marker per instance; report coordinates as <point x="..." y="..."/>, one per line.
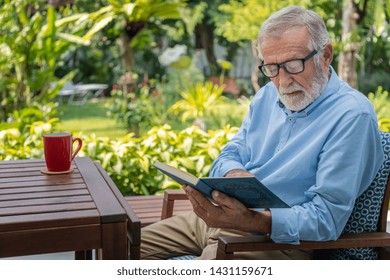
<point x="79" y="145"/>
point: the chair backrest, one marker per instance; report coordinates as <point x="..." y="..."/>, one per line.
<point x="370" y="211"/>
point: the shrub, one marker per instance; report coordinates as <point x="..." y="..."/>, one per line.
<point x="381" y="103"/>
<point x="128" y="161"/>
<point x="369" y="81"/>
<point x="140" y="110"/>
<point x="15" y="144"/>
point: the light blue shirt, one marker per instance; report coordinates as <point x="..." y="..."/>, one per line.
<point x="318" y="160"/>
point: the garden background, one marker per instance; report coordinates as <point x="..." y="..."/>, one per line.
<point x="181" y="75"/>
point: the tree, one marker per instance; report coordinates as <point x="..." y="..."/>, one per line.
<point x="360" y="18"/>
<point x="241" y="20"/>
<point x="29" y="54"/>
<point x="352" y="25"/>
<point x="351" y="43"/>
<point x="131" y="20"/>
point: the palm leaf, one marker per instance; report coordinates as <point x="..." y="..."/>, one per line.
<point x="73" y="38"/>
<point x="103" y="22"/>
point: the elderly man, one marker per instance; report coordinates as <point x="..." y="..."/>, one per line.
<point x="309" y="137"/>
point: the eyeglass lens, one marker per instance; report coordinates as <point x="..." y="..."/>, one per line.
<point x="293" y="67"/>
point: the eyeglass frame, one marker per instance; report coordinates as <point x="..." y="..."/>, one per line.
<point x="282" y="65"/>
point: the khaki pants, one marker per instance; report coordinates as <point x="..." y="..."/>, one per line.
<point x="188" y="235"/>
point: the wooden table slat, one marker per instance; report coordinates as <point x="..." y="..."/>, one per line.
<point x="29" y="164"/>
<point x="25" y="168"/>
<point x="22" y="163"/>
<point x="39" y="177"/>
<point x="44" y="220"/>
<point x="15" y="174"/>
<point x="12" y="211"/>
<point x="40" y="183"/>
<point x="47" y="194"/>
<point x="41" y="201"/>
<point x="42" y="189"/>
<point x="18" y="168"/>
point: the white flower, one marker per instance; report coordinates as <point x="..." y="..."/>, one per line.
<point x="171" y="55"/>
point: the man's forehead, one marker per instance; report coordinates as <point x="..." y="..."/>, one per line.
<point x="289" y="43"/>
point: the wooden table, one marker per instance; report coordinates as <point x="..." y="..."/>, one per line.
<point x="77" y="212"/>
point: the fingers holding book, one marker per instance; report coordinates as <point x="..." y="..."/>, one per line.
<point x="229" y="213"/>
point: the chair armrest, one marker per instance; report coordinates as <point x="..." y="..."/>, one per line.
<point x="169" y="201"/>
<point x="228" y="245"/>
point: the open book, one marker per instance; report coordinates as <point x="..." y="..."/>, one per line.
<point x="250" y="191"/>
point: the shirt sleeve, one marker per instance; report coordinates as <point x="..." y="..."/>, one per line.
<point x="346" y="166"/>
<point x="234" y="155"/>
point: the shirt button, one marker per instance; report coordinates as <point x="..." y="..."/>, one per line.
<point x="290" y="119"/>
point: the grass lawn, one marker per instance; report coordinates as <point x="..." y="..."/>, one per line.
<point x="89" y="118"/>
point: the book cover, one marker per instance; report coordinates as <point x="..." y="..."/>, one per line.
<point x="250" y="191"/>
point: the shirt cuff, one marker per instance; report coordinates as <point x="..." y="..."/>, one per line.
<point x="283" y="229"/>
<point x="228" y="166"/>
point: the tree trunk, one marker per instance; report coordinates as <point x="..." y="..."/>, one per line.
<point x="204" y="39"/>
<point x="347" y="57"/>
<point x="255" y="72"/>
<point x="127" y="53"/>
<point x="131" y="29"/>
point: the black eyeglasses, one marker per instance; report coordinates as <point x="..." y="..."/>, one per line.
<point x="293" y="66"/>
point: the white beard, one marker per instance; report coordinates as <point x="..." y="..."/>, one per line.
<point x="298" y="101"/>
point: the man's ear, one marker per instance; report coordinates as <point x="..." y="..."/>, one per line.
<point x="328" y="55"/>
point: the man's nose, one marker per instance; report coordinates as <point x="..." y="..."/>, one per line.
<point x="284" y="78"/>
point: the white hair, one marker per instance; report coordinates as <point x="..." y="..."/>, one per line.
<point x="294" y="17"/>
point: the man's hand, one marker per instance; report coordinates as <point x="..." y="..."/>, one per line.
<point x="229" y="214"/>
<point x="238" y="173"/>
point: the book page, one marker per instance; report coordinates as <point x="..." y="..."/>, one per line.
<point x="176" y="174"/>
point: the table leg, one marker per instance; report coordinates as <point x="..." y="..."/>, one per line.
<point x="83" y="255"/>
<point x="114" y="241"/>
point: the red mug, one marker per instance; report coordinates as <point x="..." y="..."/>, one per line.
<point x="58" y="150"/>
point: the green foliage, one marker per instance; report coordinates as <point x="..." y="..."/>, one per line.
<point x="384" y="124"/>
<point x="130" y="11"/>
<point x="139" y="110"/>
<point x="125" y="30"/>
<point x="29" y="54"/>
<point x="25" y="143"/>
<point x="202" y="104"/>
<point x="368" y="82"/>
<point x="241" y="20"/>
<point x="34" y="37"/>
<point x="129" y="160"/>
<point x="179" y="80"/>
<point x="37" y="112"/>
<point x="199" y="101"/>
<point x="380" y="100"/>
<point x="21" y="136"/>
<point x="231" y="112"/>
